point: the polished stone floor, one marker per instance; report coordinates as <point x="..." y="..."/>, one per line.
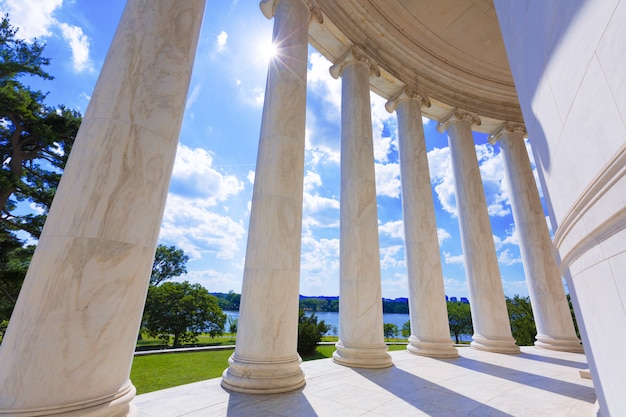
<point x="534" y="383"/>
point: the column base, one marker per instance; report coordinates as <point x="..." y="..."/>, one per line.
<point x="432" y="349"/>
<point x="365" y="356"/>
<point x="263" y="377"/>
<point x="562" y="345"/>
<point x="494" y="345"/>
<point x="117" y="405"/>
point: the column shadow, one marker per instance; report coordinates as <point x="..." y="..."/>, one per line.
<point x="292" y="403"/>
<point x="426" y="396"/>
<point x="569" y="389"/>
<point x="555" y="361"/>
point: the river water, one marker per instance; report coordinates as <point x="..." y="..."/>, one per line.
<point x="332" y="318"/>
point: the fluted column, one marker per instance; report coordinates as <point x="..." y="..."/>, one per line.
<point x="361" y="341"/>
<point x="266" y="358"/>
<point x="492" y="331"/>
<point x="555" y="328"/>
<point x="70" y="344"/>
<point x="430" y="330"/>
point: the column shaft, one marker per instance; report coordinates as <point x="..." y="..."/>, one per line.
<point x="430" y="331"/>
<point x="266" y="358"/>
<point x="490" y="319"/>
<point x="555" y="328"/>
<point x="70" y="344"/>
<point x="361" y="340"/>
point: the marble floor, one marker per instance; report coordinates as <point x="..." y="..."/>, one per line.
<point x="534" y="383"/>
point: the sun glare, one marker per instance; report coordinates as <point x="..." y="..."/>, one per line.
<point x="267" y="51"/>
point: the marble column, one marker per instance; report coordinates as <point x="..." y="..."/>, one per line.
<point x="555" y="328"/>
<point x="70" y="344"/>
<point x="492" y="331"/>
<point x="361" y="340"/>
<point x="430" y="330"/>
<point x="266" y="358"/>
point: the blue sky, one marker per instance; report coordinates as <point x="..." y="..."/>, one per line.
<point x="209" y="200"/>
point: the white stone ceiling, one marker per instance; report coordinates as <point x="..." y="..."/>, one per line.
<point x="449" y="50"/>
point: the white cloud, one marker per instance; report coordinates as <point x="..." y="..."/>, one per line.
<point x="442" y="177"/>
<point x="197" y="230"/>
<point x="318" y="264"/>
<point x="221" y="41"/>
<point x="511" y="238"/>
<point x="506" y="257"/>
<point x="195" y="178"/>
<point x="32" y="17"/>
<point x="492" y="173"/>
<point x="453" y="259"/>
<point x="214" y="281"/>
<point x="442" y="234"/>
<point x="79" y="43"/>
<point x="388" y="180"/>
<point x="322" y="84"/>
<point x="311" y="180"/>
<point x="454" y="287"/>
<point x="251" y="175"/>
<point x="394" y="229"/>
<point x="35" y="19"/>
<point x="392" y="257"/>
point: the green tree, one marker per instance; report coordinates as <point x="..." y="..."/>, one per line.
<point x="571" y="310"/>
<point x="522" y="321"/>
<point x="35" y="142"/>
<point x="460" y="319"/>
<point x="35" y="139"/>
<point x="310" y="333"/>
<point x="233" y="323"/>
<point x="406" y="329"/>
<point x="183" y="310"/>
<point x="390" y="330"/>
<point x="169" y="262"/>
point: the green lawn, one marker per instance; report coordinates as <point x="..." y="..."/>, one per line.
<point x="155" y="372"/>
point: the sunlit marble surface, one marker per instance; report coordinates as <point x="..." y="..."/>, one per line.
<point x="537" y="382"/>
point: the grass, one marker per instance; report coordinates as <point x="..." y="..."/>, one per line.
<point x="148" y="343"/>
<point x="155" y="372"/>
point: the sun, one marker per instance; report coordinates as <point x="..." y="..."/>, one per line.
<point x="267" y="51"/>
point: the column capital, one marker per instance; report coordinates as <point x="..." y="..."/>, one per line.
<point x="406" y="94"/>
<point x="507" y="128"/>
<point x="457" y="115"/>
<point x="355" y="53"/>
<point x="268" y="8"/>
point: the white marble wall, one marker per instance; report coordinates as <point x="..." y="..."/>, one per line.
<point x="568" y="59"/>
<point x="70" y="342"/>
<point x="266" y="358"/>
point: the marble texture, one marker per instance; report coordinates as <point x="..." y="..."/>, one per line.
<point x="430" y="331"/>
<point x="490" y="319"/>
<point x="537" y="382"/>
<point x="70" y="344"/>
<point x="555" y="328"/>
<point x="265" y="358"/>
<point x="361" y="341"/>
<point x="576" y="127"/>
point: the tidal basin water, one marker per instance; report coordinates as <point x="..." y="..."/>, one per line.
<point x="332" y="318"/>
